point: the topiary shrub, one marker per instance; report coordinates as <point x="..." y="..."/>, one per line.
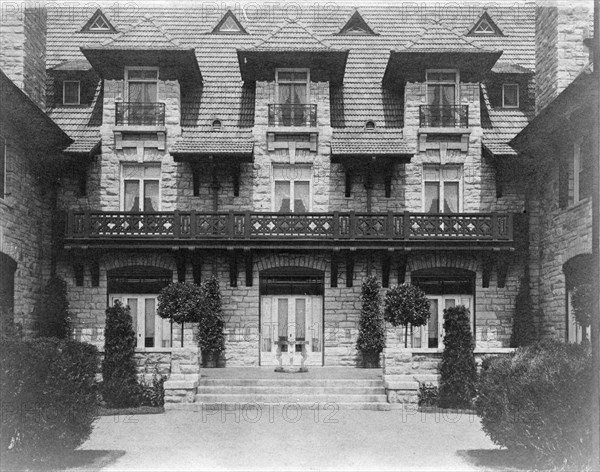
<point x="181" y="302"/>
<point x="51" y="313"/>
<point x="49" y="395"/>
<point x="120" y="388"/>
<point x="371" y="328"/>
<point x="458" y="371"/>
<point x="406" y="305"/>
<point x="211" y="338"/>
<point x="539" y="400"/>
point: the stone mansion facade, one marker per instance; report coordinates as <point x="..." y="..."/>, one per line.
<point x="291" y="152"/>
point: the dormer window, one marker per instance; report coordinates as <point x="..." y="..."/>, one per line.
<point x="356" y="25"/>
<point x="71" y="92"/>
<point x="98" y="23"/>
<point x="485" y="26"/>
<point x="216" y="125"/>
<point x="229" y="24"/>
<point x="370" y="125"/>
<point x="510" y="95"/>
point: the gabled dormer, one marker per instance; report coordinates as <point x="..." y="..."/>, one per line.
<point x="229" y="24"/>
<point x="98" y="23"/>
<point x="485" y="26"/>
<point x="356" y="25"/>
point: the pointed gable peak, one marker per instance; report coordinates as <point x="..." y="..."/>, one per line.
<point x="229" y="24"/>
<point x="439" y="38"/>
<point x="143" y="35"/>
<point x="292" y="36"/>
<point x="98" y="23"/>
<point x="485" y="26"/>
<point x="356" y="25"/>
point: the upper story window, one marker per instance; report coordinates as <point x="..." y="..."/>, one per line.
<point x="356" y="25"/>
<point x="442" y="87"/>
<point x="442" y="188"/>
<point x="292" y="92"/>
<point x="142" y="84"/>
<point x="582" y="169"/>
<point x="140" y="186"/>
<point x="71" y="92"/>
<point x="292" y="188"/>
<point x="510" y="95"/>
<point x="229" y="24"/>
<point x="99" y="23"/>
<point x="370" y="125"/>
<point x="485" y="26"/>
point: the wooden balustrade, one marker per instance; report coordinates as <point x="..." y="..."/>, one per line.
<point x="190" y="225"/>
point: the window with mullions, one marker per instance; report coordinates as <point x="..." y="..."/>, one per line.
<point x="442" y="188"/>
<point x="582" y="169"/>
<point x="442" y="96"/>
<point x="510" y="95"/>
<point x="291" y="188"/>
<point x="71" y="92"/>
<point x="292" y="92"/>
<point x="140" y="186"/>
<point x="142" y="85"/>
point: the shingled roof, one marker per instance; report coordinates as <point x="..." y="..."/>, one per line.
<point x="359" y="98"/>
<point x="438" y="38"/>
<point x="377" y="142"/>
<point x="291" y="37"/>
<point x="146" y="35"/>
<point x="204" y="142"/>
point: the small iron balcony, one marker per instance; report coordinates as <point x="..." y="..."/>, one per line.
<point x="444" y="116"/>
<point x="293" y="115"/>
<point x="136" y="114"/>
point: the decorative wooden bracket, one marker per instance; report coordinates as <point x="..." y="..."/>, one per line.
<point x="236" y="180"/>
<point x="196" y="179"/>
<point x="386" y="264"/>
<point x="348" y="184"/>
<point x="180" y="261"/>
<point x="248" y="263"/>
<point x="334" y="269"/>
<point x="82" y="181"/>
<point x="95" y="270"/>
<point x="233" y="268"/>
<point x="78" y="269"/>
<point x="502" y="271"/>
<point x="488" y="265"/>
<point x="387" y="182"/>
<point x="197" y="267"/>
<point x="402" y="261"/>
<point x="349" y="268"/>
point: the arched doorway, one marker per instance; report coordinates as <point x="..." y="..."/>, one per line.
<point x="291" y="307"/>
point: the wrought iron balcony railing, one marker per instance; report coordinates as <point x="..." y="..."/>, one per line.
<point x="253" y="226"/>
<point x="136" y="113"/>
<point x="293" y="115"/>
<point x="445" y="116"/>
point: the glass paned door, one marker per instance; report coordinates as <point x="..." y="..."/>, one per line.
<point x="432" y="334"/>
<point x="141" y="188"/>
<point x="287" y="317"/>
<point x="293" y="94"/>
<point x="292" y="189"/>
<point x="150" y="329"/>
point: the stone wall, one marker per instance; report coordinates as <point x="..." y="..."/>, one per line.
<point x="560" y="52"/>
<point x="23" y="51"/>
<point x="25" y="232"/>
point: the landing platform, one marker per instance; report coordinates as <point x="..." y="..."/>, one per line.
<point x="313" y="373"/>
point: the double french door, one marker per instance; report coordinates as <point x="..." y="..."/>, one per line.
<point x="432" y="334"/>
<point x="291" y="318"/>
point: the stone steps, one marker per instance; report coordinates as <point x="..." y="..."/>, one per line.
<point x="290" y="390"/>
<point x="278" y="408"/>
<point x="291" y="397"/>
<point x="290" y="382"/>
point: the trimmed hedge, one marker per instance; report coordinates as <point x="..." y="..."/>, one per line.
<point x="120" y="388"/>
<point x="458" y="371"/>
<point x="49" y="395"/>
<point x="539" y="400"/>
<point x="371" y="328"/>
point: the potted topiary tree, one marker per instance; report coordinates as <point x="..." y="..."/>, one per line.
<point x="180" y="302"/>
<point x="458" y="372"/>
<point x="211" y="338"/>
<point x="371" y="329"/>
<point x="406" y="305"/>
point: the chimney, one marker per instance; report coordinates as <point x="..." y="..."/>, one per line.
<point x="23" y="48"/>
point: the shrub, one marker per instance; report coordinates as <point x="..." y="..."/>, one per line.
<point x="153" y="393"/>
<point x="583" y="305"/>
<point x="211" y="338"/>
<point x="523" y="330"/>
<point x="539" y="400"/>
<point x="428" y="394"/>
<point x="371" y="328"/>
<point x="458" y="372"/>
<point x="180" y="302"/>
<point x="49" y="395"/>
<point x="51" y="313"/>
<point x="120" y="387"/>
<point x="406" y="305"/>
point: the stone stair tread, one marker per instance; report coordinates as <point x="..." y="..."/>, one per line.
<point x="229" y="406"/>
<point x="292" y="382"/>
<point x="287" y="398"/>
<point x="289" y="390"/>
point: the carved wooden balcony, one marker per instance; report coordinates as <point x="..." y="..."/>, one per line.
<point x="139" y="114"/>
<point x="295" y="114"/>
<point x="257" y="229"/>
<point x="444" y="116"/>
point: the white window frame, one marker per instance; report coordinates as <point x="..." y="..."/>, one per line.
<point x="310" y="184"/>
<point x="141" y="186"/>
<point x="78" y="82"/>
<point x="106" y="26"/>
<point x="424" y="330"/>
<point x="132" y="68"/>
<point x="141" y="319"/>
<point x="503" y="92"/>
<point x="482" y="21"/>
<point x="277" y="81"/>
<point x="460" y="181"/>
<point x="456" y="83"/>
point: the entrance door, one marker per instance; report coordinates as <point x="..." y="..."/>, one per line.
<point x="432" y="334"/>
<point x="291" y="317"/>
